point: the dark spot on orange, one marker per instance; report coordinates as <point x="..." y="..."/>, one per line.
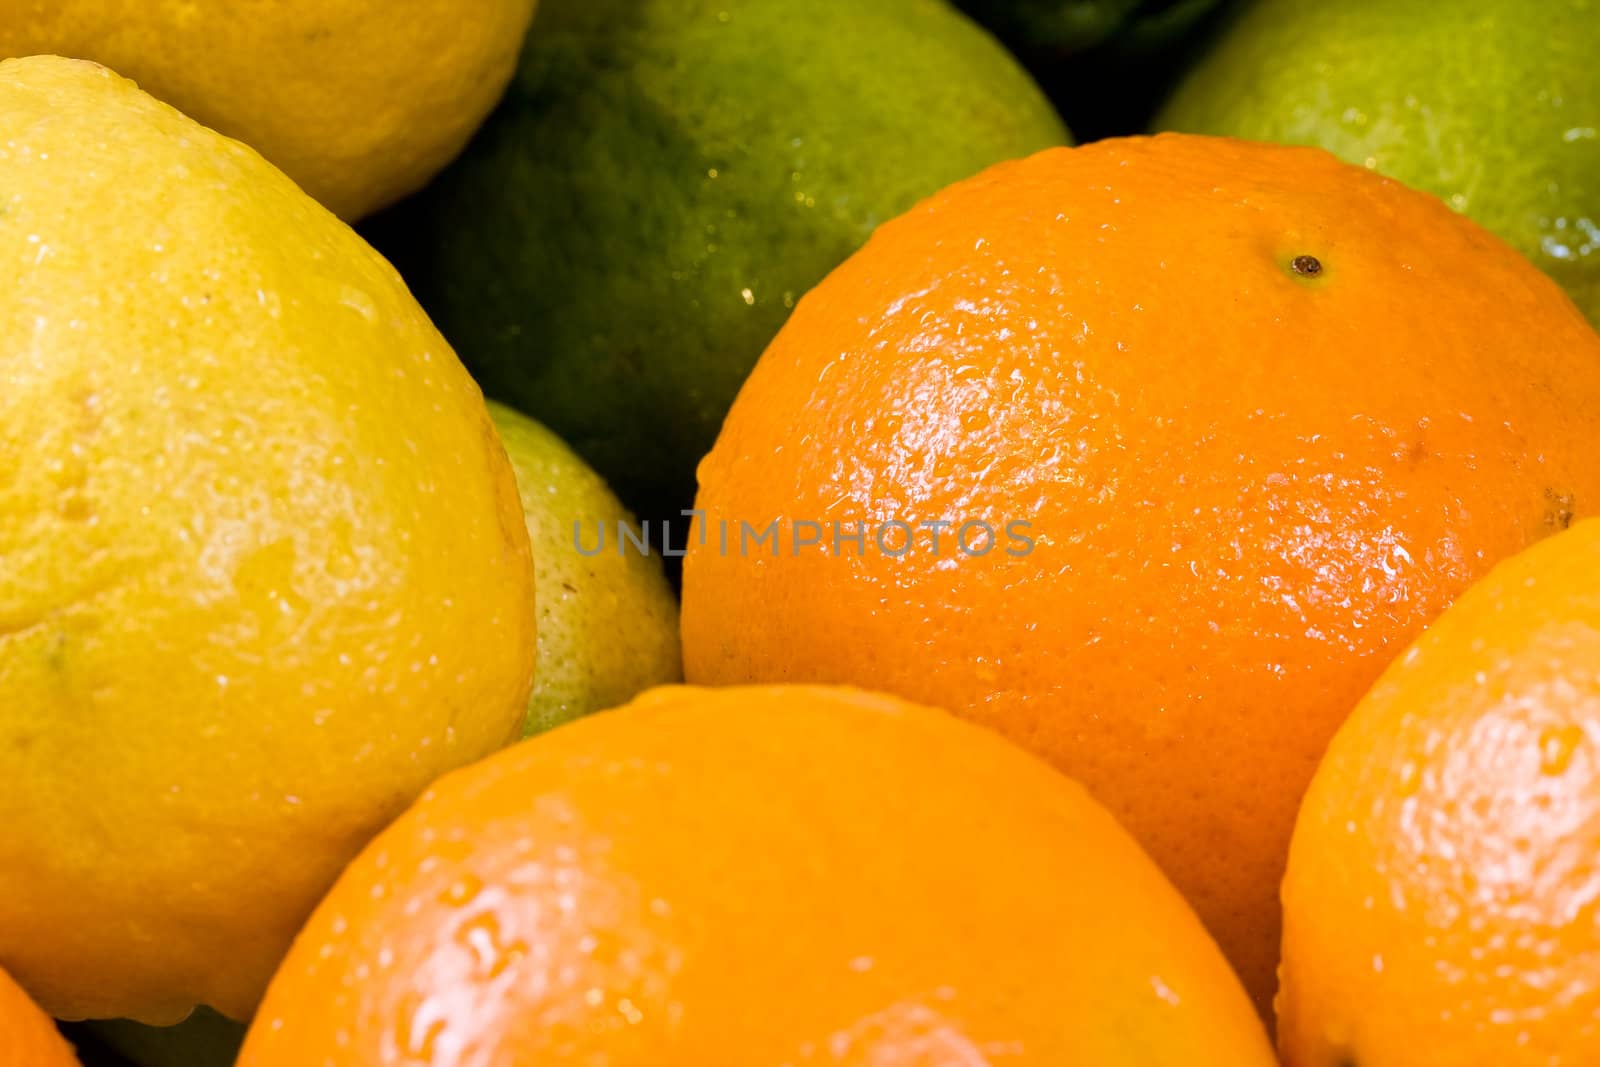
<point x="1558" y="510"/>
<point x="1309" y="266"/>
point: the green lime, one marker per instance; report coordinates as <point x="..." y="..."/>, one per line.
<point x="1494" y="105"/>
<point x="608" y="622"/>
<point x="668" y="177"/>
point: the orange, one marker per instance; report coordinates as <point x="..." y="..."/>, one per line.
<point x="27" y="1036"/>
<point x="1265" y="414"/>
<point x="1444" y="884"/>
<point x="756" y="877"/>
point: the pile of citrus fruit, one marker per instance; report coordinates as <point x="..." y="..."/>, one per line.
<point x="916" y="592"/>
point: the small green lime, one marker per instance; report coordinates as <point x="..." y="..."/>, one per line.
<point x="668" y="177"/>
<point x="1070" y="26"/>
<point x="1494" y="105"/>
<point x="608" y="622"/>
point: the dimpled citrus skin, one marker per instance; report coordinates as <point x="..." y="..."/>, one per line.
<point x="265" y="572"/>
<point x="1491" y="104"/>
<point x="27" y="1036"/>
<point x="359" y="101"/>
<point x="1248" y="487"/>
<point x="1446" y="864"/>
<point x="756" y="876"/>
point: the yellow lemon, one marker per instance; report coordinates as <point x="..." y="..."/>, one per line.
<point x="359" y="101"/>
<point x="263" y="570"/>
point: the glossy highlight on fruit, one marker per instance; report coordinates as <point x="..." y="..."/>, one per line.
<point x="1445" y="875"/>
<point x="1249" y="481"/>
<point x="762" y="876"/>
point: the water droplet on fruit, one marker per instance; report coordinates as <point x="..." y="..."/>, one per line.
<point x="1164" y="991"/>
<point x="1570" y="239"/>
<point x="1557" y="746"/>
<point x="360" y="302"/>
<point x="461" y="892"/>
<point x="418" y="1026"/>
<point x="491" y="952"/>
